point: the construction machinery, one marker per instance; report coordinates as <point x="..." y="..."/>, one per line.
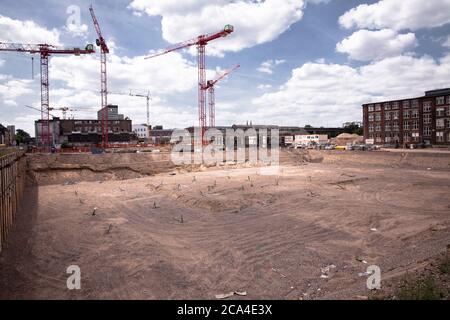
<point x="210" y="87"/>
<point x="45" y="51"/>
<point x="201" y="42"/>
<point x="104" y="50"/>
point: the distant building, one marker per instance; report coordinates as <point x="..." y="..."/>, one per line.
<point x="4" y="135"/>
<point x="82" y="132"/>
<point x="423" y="119"/>
<point x="306" y="139"/>
<point x="159" y="135"/>
<point x="12" y="133"/>
<point x="113" y="113"/>
<point x="142" y="131"/>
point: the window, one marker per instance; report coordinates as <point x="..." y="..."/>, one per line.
<point x="371" y="108"/>
<point x="371" y="117"/>
<point x="427" y="118"/>
<point x="387" y="106"/>
<point x="395" y="126"/>
<point x="395" y="115"/>
<point x="378" y="107"/>
<point x="406" y="114"/>
<point x="378" y="138"/>
<point x="447" y="113"/>
<point x="415" y="125"/>
<point x="427" y="106"/>
<point x="387" y="116"/>
<point x="415" y="136"/>
<point x="406" y="137"/>
<point x="406" y="104"/>
<point x="415" y="103"/>
<point x="440" y="123"/>
<point x="387" y="127"/>
<point x="405" y="125"/>
<point x="378" y="117"/>
<point x="448" y="99"/>
<point x="448" y="137"/>
<point x="440" y="112"/>
<point x="395" y="105"/>
<point x="387" y="139"/>
<point x="448" y="124"/>
<point x="378" y="127"/>
<point x="440" y="136"/>
<point x="371" y="128"/>
<point x="427" y="131"/>
<point x="415" y="114"/>
<point x="440" y="101"/>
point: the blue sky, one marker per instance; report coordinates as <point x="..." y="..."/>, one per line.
<point x="302" y="62"/>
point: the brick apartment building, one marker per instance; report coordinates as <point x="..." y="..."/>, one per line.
<point x="409" y="121"/>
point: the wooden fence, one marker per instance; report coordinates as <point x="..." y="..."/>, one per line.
<point x="12" y="185"/>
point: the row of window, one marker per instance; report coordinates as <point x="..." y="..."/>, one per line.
<point x="409" y="114"/>
<point x="410" y="137"/>
<point x="408" y="104"/>
<point x="97" y="129"/>
<point x="408" y="125"/>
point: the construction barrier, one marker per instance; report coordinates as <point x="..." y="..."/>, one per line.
<point x="12" y="185"/>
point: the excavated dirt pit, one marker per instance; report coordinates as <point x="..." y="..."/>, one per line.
<point x="193" y="233"/>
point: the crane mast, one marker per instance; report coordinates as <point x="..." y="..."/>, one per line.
<point x="104" y="50"/>
<point x="210" y="87"/>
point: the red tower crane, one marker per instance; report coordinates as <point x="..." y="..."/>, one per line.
<point x="201" y="42"/>
<point x="45" y="52"/>
<point x="212" y="95"/>
<point x="104" y="50"/>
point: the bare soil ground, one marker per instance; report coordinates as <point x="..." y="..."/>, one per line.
<point x="193" y="235"/>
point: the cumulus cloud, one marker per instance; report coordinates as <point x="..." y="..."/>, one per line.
<point x="269" y="65"/>
<point x="264" y="86"/>
<point x="75" y="30"/>
<point x="318" y="92"/>
<point x="366" y="45"/>
<point x="398" y="15"/>
<point x="255" y="22"/>
<point x="26" y="32"/>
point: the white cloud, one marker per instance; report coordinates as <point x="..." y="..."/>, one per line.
<point x="264" y="86"/>
<point x="18" y="31"/>
<point x="255" y="22"/>
<point x="330" y="94"/>
<point x="368" y="45"/>
<point x="398" y="15"/>
<point x="269" y="65"/>
<point x="2" y="62"/>
<point x="75" y="30"/>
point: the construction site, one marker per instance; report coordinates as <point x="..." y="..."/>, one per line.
<point x="312" y="223"/>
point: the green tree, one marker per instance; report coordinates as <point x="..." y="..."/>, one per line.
<point x="21" y="136"/>
<point x="354" y="128"/>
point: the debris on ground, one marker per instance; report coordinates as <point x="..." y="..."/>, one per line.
<point x="231" y="294"/>
<point x="277" y="271"/>
<point x="94" y="211"/>
<point x="326" y="270"/>
<point x="70" y="183"/>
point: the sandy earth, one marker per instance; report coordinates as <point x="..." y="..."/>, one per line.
<point x="194" y="235"/>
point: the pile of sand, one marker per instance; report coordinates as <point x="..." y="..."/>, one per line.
<point x="345" y="138"/>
